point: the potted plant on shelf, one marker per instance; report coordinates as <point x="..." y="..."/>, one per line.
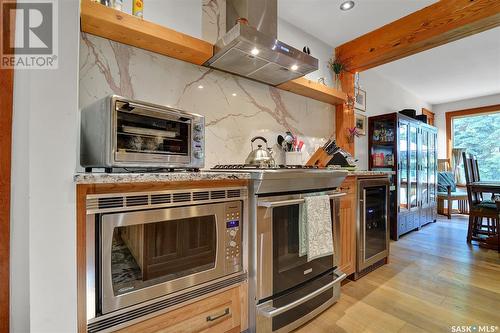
<point x="337" y="67"/>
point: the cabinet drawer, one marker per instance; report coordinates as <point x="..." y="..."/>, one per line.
<point x="217" y="313"/>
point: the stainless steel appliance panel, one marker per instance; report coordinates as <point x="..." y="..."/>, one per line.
<point x="373" y="222"/>
<point x="120" y="132"/>
<point x="281" y="304"/>
<point x="223" y="263"/>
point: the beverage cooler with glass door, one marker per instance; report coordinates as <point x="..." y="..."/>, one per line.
<point x="373" y="224"/>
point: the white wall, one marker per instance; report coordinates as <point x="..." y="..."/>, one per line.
<point x="441" y="109"/>
<point x="297" y="38"/>
<point x="43" y="210"/>
<point x="181" y="15"/>
<point x="382" y="96"/>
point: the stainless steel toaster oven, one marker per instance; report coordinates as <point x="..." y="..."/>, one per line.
<point x="118" y="132"/>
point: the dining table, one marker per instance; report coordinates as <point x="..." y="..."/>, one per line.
<point x="493" y="187"/>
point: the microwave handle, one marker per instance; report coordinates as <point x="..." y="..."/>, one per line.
<point x="270" y="311"/>
<point x="272" y="204"/>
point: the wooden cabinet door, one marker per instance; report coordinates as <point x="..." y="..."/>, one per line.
<point x="348" y="227"/>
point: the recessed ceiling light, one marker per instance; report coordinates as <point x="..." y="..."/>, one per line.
<point x="294" y="67"/>
<point x="200" y="87"/>
<point x="255" y="51"/>
<point x="346" y="5"/>
<point x="234" y="94"/>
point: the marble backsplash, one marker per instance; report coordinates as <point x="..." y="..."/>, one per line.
<point x="236" y="109"/>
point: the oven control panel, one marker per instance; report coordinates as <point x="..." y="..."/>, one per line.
<point x="233" y="224"/>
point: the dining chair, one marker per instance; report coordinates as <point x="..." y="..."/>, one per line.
<point x="479" y="209"/>
<point x="448" y="192"/>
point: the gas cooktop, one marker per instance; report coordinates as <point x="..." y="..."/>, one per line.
<point x="284" y="178"/>
<point x="258" y="167"/>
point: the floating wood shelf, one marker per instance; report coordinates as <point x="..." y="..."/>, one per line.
<point x="109" y="23"/>
<point x="314" y="90"/>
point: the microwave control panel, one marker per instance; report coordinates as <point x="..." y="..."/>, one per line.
<point x="233" y="242"/>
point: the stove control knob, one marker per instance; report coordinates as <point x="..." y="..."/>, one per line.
<point x="232" y="243"/>
<point x="198" y="154"/>
<point x="232" y="233"/>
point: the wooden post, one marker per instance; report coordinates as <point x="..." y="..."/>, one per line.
<point x="6" y="104"/>
<point x="344" y="114"/>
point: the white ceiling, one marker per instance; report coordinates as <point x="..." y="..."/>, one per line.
<point x="466" y="68"/>
<point x="324" y="19"/>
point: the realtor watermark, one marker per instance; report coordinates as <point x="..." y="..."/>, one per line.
<point x="474" y="329"/>
<point x="34" y="43"/>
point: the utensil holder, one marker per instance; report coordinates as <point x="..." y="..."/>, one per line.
<point x="293" y="158"/>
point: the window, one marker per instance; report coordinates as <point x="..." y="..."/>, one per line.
<point x="479" y="134"/>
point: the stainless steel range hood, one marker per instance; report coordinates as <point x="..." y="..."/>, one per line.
<point x="252" y="50"/>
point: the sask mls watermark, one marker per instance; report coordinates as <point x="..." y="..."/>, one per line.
<point x="34" y="43"/>
<point x="474" y="329"/>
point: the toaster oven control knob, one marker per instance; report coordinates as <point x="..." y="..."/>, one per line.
<point x="232" y="243"/>
<point x="197" y="138"/>
<point x="232" y="233"/>
<point x="198" y="154"/>
<point x="198" y="127"/>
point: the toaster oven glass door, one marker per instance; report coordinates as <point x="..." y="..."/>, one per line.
<point x="143" y="137"/>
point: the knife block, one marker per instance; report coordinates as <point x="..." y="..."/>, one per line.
<point x="320" y="158"/>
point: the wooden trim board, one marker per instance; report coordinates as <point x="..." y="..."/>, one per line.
<point x="106" y="22"/>
<point x="430" y="116"/>
<point x="344" y="115"/>
<point x="440" y="23"/>
<point x="6" y="106"/>
<point x="461" y="113"/>
<point x="304" y="87"/>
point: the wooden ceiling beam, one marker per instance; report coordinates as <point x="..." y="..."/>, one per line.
<point x="440" y="23"/>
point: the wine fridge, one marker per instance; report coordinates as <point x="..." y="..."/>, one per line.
<point x="373" y="225"/>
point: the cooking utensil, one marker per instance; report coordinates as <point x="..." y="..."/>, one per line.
<point x="260" y="156"/>
<point x="280" y="140"/>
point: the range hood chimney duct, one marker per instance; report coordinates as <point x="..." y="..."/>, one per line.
<point x="251" y="49"/>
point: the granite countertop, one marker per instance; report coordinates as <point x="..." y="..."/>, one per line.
<point x="370" y="173"/>
<point x="106" y="178"/>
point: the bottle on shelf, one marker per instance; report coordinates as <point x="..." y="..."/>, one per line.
<point x="138" y="8"/>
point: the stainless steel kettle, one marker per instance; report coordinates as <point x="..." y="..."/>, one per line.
<point x="260" y="156"/>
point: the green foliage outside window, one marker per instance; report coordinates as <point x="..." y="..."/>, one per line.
<point x="480" y="135"/>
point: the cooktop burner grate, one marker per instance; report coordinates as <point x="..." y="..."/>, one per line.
<point x="258" y="167"/>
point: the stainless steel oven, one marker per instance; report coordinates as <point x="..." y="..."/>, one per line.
<point x="148" y="251"/>
<point x="291" y="290"/>
<point x="117" y="132"/>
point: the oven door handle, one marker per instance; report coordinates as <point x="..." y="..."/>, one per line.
<point x="270" y="311"/>
<point x="272" y="204"/>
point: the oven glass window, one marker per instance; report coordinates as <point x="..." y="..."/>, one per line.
<point x="141" y="134"/>
<point x="148" y="254"/>
<point x="289" y="267"/>
<point x="375" y="226"/>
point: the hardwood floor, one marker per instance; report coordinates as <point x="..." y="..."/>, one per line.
<point x="434" y="280"/>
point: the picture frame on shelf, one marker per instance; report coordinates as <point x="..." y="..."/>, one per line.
<point x="360" y="123"/>
<point x="360" y="100"/>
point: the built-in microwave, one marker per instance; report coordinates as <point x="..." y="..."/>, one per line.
<point x="118" y="132"/>
<point x="151" y="251"/>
